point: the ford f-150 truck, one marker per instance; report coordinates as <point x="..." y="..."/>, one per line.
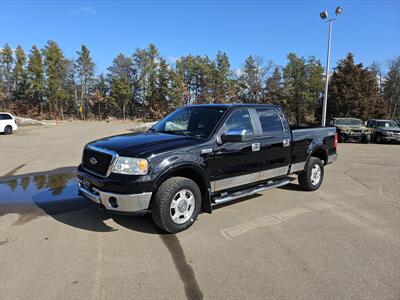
<point x="199" y="156"/>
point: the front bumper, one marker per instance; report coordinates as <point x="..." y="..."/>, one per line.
<point x="390" y="138"/>
<point x="355" y="135"/>
<point x="124" y="203"/>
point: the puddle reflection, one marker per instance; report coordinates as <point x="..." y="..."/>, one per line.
<point x="55" y="193"/>
<point x="50" y="187"/>
<point x="34" y="195"/>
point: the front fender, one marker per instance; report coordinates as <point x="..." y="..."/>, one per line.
<point x="177" y="165"/>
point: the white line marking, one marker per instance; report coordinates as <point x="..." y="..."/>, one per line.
<point x="310" y="207"/>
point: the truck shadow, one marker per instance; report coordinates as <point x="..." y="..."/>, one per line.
<point x="290" y="187"/>
<point x="54" y="194"/>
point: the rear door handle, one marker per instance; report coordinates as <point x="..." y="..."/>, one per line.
<point x="286" y="143"/>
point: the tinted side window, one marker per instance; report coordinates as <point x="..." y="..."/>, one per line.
<point x="5" y="117"/>
<point x="240" y="120"/>
<point x="270" y="122"/>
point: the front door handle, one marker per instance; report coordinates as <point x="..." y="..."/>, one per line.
<point x="286" y="143"/>
<point x="255" y="147"/>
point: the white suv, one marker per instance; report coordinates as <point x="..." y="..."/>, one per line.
<point x="7" y="123"/>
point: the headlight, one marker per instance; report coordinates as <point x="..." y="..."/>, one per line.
<point x="389" y="132"/>
<point x="131" y="166"/>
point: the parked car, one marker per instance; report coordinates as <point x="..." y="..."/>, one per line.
<point x="384" y="130"/>
<point x="7" y="123"/>
<point x="351" y="129"/>
<point x="200" y="156"/>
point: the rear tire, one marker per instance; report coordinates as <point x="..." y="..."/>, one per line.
<point x="176" y="204"/>
<point x="8" y="130"/>
<point x="312" y="176"/>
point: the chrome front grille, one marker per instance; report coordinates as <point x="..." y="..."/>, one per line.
<point x="98" y="161"/>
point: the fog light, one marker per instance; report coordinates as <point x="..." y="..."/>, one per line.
<point x="113" y="202"/>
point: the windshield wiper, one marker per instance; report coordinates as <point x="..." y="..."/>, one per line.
<point x="175" y="132"/>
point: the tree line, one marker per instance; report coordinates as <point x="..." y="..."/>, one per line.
<point x="144" y="85"/>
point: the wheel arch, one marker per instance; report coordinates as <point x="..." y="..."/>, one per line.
<point x="194" y="173"/>
<point x="320" y="152"/>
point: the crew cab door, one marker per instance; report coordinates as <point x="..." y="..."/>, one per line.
<point x="275" y="143"/>
<point x="235" y="162"/>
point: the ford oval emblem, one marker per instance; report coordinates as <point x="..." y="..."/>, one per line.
<point x="93" y="161"/>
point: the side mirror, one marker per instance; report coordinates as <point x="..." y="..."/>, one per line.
<point x="233" y="135"/>
<point x="331" y="122"/>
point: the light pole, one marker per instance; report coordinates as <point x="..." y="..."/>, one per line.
<point x="324" y="16"/>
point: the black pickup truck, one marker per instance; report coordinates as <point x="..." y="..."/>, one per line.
<point x="199" y="156"/>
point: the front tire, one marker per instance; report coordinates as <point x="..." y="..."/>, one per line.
<point x="366" y="139"/>
<point x="8" y="130"/>
<point x="378" y="139"/>
<point x="176" y="204"/>
<point x="312" y="176"/>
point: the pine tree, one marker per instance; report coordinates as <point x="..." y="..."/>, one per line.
<point x="391" y="89"/>
<point x="274" y="91"/>
<point x="56" y="67"/>
<point x="303" y="86"/>
<point x="121" y="81"/>
<point x="151" y="66"/>
<point x="221" y="78"/>
<point x="85" y="71"/>
<point x="6" y="66"/>
<point x="36" y="80"/>
<point x="163" y="78"/>
<point x="100" y="94"/>
<point x="196" y="72"/>
<point x="354" y="92"/>
<point x="251" y="81"/>
<point x="19" y="75"/>
<point x="178" y="92"/>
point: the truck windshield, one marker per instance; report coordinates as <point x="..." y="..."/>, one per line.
<point x="191" y="121"/>
<point x="387" y="124"/>
<point x="355" y="122"/>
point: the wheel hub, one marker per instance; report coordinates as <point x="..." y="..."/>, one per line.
<point x="182" y="206"/>
<point x="315" y="174"/>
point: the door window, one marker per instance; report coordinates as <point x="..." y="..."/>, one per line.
<point x="270" y="121"/>
<point x="5" y="117"/>
<point x="239" y="120"/>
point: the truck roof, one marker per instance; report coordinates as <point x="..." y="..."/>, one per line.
<point x="340" y="118"/>
<point x="226" y="105"/>
<point x="381" y="120"/>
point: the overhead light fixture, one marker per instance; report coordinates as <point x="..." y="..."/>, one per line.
<point x="324" y="15"/>
<point x="338" y="10"/>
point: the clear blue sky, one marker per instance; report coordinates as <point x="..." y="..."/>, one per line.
<point x="271" y="29"/>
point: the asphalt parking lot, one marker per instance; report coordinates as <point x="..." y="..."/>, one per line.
<point x="340" y="242"/>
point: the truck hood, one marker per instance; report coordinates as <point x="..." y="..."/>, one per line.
<point x="145" y="144"/>
<point x="352" y="126"/>
<point x="394" y="129"/>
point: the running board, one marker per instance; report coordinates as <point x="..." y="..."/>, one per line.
<point x="250" y="191"/>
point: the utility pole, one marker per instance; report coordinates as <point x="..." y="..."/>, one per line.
<point x="324" y="16"/>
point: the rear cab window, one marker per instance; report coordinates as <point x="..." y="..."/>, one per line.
<point x="270" y="121"/>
